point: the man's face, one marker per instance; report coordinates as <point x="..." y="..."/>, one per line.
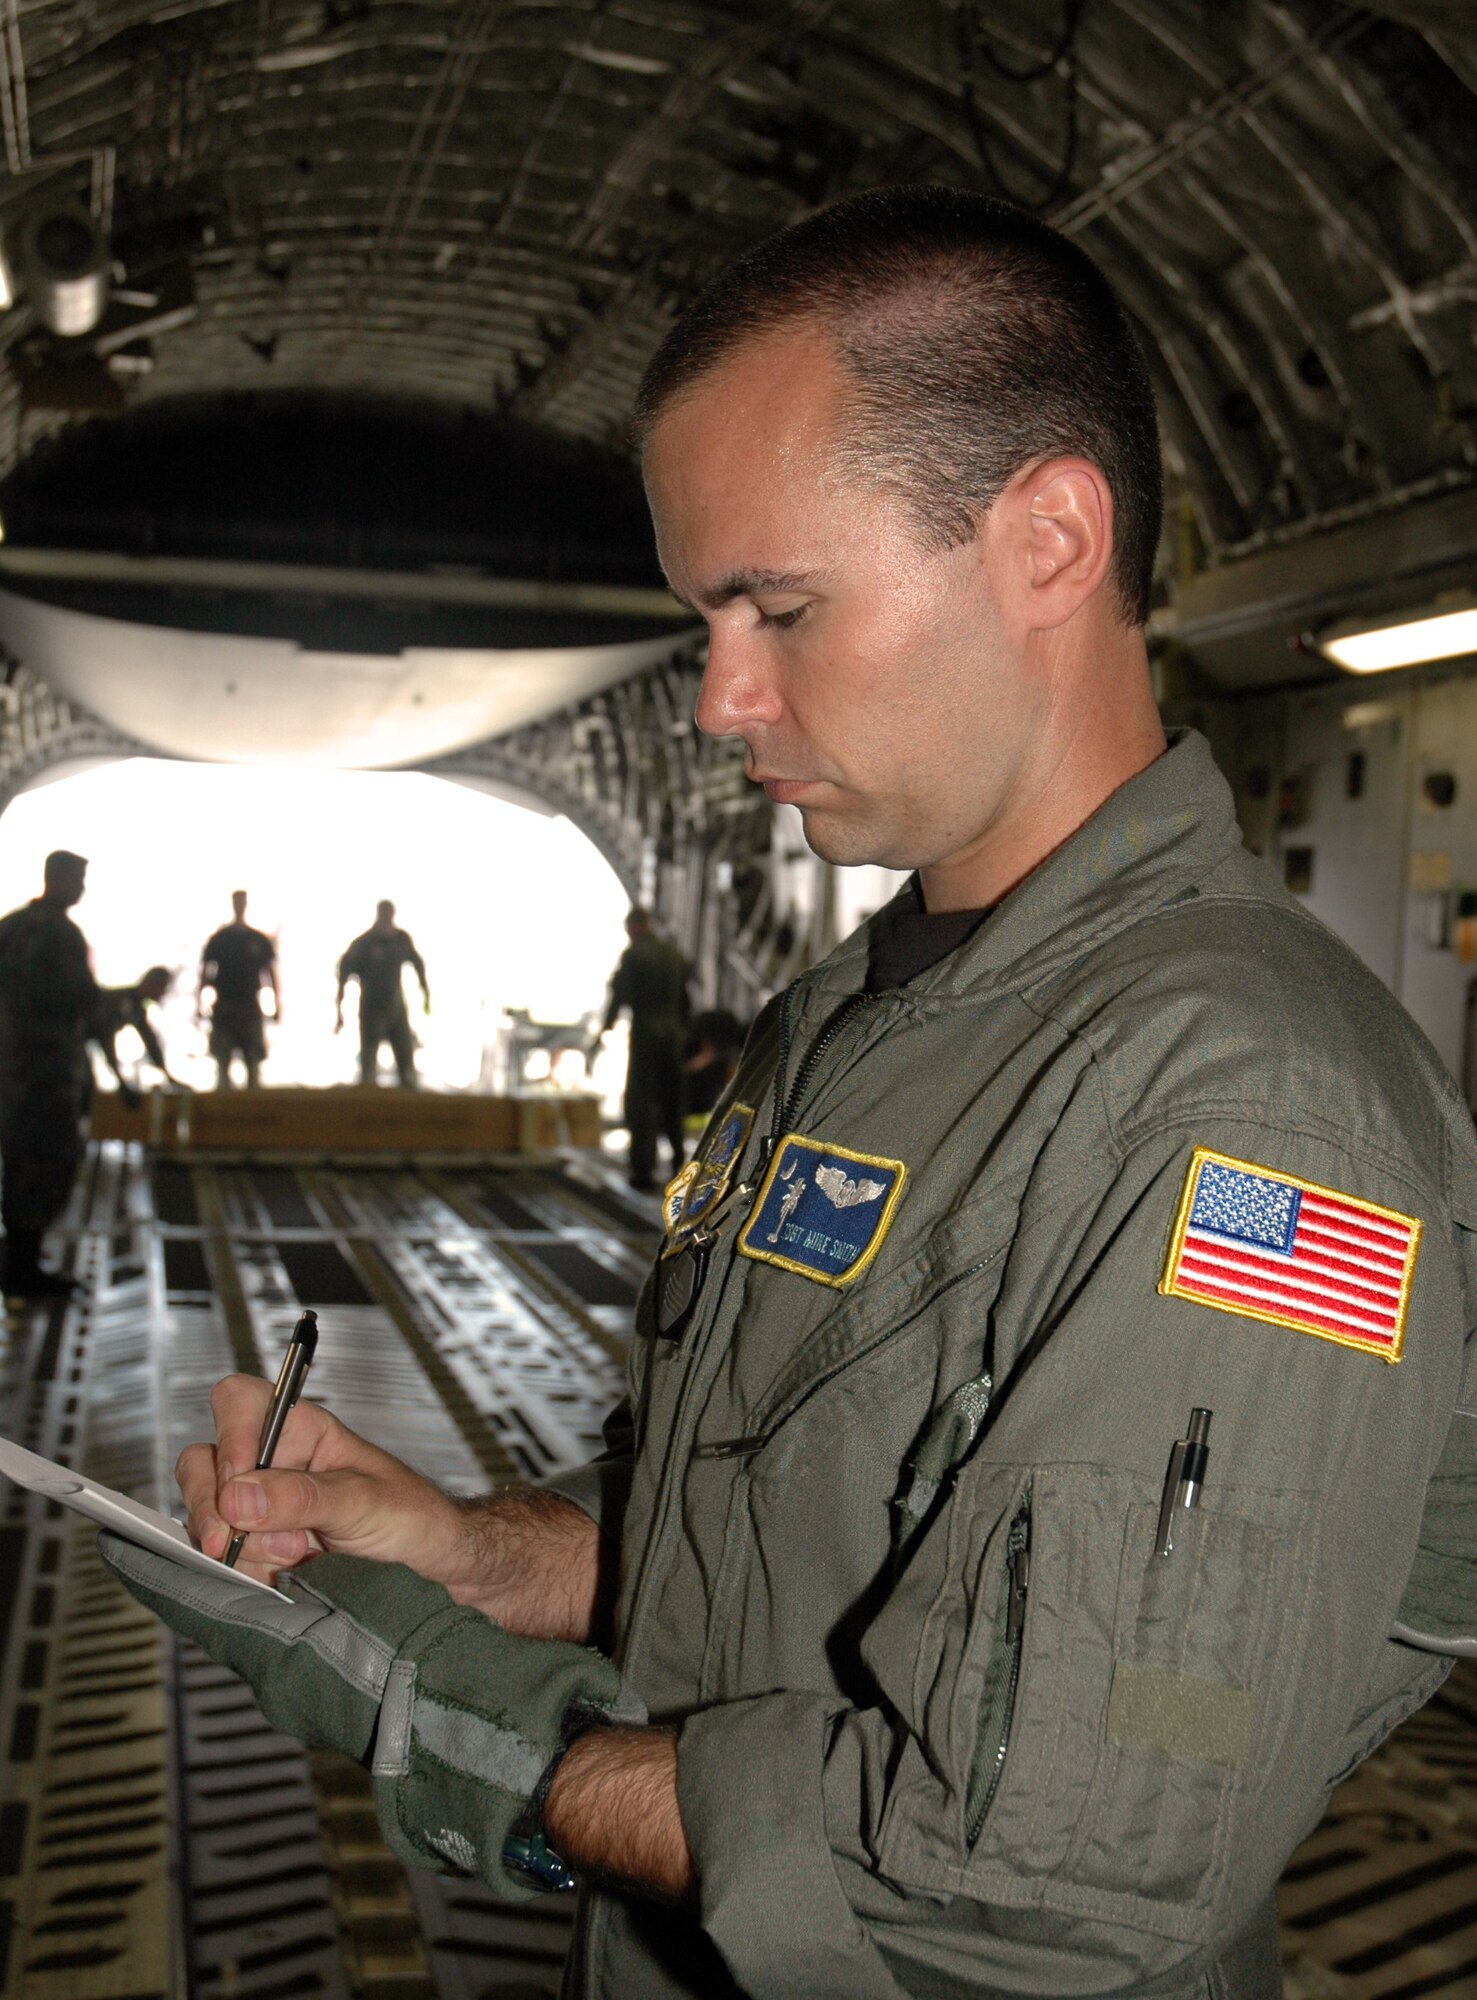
<point x="67" y="886"/>
<point x="876" y="685"/>
<point x="238" y="905"/>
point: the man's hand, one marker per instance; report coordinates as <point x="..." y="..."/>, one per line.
<point x="532" y="1560"/>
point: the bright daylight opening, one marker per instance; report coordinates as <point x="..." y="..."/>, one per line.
<point x="509" y="908"/>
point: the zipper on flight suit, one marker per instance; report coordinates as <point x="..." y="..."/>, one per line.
<point x="784" y="1110"/>
<point x="788" y="1104"/>
<point x="995" y="1725"/>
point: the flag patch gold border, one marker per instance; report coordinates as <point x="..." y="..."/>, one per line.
<point x="1172" y="1286"/>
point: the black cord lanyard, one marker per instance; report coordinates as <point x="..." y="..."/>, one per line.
<point x="680" y="1278"/>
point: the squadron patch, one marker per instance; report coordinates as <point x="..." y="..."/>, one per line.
<point x="700" y="1186"/>
<point x="1267" y="1246"/>
<point x="823" y="1210"/>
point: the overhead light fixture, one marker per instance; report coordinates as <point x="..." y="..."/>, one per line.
<point x="1403" y="639"/>
<point x="7" y="282"/>
<point x="64" y="259"/>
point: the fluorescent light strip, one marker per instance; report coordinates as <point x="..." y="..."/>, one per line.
<point x="1376" y="650"/>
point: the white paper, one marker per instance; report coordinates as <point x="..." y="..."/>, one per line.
<point x="115" y="1511"/>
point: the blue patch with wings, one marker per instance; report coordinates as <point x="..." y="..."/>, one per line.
<point x="823" y="1210"/>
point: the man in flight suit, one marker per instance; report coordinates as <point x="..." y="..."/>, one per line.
<point x="236" y="963"/>
<point x="1092" y="1127"/>
<point x="377" y="958"/>
<point x="47" y="994"/>
<point x="651" y="981"/>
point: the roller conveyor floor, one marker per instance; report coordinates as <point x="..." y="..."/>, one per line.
<point x="158" y="1841"/>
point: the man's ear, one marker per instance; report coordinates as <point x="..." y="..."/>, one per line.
<point x="1063" y="516"/>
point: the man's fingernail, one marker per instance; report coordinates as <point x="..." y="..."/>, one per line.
<point x="224" y="1470"/>
<point x="284" y="1546"/>
<point x="248" y="1501"/>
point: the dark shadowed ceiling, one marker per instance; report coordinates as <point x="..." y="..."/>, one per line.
<point x="502" y="205"/>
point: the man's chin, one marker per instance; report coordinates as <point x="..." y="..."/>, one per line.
<point x="844" y="843"/>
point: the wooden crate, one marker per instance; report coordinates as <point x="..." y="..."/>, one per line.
<point x="348" y="1120"/>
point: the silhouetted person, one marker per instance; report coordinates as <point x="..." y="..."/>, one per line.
<point x="120" y="1007"/>
<point x="651" y="981"/>
<point x="715" y="1042"/>
<point x="47" y="997"/>
<point x="235" y="964"/>
<point x="377" y="958"/>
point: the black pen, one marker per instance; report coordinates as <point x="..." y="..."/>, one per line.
<point x="1183" y="1480"/>
<point x="290" y="1379"/>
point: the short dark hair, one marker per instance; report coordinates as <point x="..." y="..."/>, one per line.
<point x="979" y="340"/>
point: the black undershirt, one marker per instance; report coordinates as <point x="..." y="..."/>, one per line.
<point x="908" y="940"/>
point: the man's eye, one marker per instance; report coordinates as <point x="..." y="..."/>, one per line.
<point x="783" y="620"/>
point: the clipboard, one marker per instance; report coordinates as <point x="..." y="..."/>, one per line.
<point x="115" y="1511"/>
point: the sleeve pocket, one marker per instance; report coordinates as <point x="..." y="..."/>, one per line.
<point x="1193" y="1633"/>
<point x="1141" y="1710"/>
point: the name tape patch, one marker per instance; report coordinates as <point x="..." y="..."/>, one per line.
<point x="704" y="1180"/>
<point x="823" y="1210"/>
<point x="1267" y="1246"/>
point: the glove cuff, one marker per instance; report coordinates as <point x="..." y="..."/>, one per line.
<point x="527" y="1848"/>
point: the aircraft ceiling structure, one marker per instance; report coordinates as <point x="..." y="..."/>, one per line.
<point x="501" y="204"/>
<point x="302" y="578"/>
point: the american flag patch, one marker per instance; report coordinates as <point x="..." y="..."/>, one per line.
<point x="1269" y="1247"/>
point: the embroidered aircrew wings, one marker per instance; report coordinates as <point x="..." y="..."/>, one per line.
<point x="823" y="1210"/>
<point x="1268" y="1246"/>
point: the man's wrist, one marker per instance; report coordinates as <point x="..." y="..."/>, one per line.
<point x="530" y="1829"/>
<point x="530" y="1560"/>
<point x="611" y="1812"/>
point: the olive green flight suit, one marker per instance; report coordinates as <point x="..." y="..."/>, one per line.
<point x="948" y="1724"/>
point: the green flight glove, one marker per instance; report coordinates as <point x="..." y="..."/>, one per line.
<point x="459" y="1722"/>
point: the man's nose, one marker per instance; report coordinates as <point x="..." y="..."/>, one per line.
<point x="738" y="691"/>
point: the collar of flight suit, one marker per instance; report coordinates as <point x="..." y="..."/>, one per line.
<point x="1146" y="846"/>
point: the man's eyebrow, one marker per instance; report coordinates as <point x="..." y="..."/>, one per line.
<point x="755" y="583"/>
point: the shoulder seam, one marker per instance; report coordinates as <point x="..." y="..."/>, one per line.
<point x="1110" y="1124"/>
<point x="1234" y="1111"/>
